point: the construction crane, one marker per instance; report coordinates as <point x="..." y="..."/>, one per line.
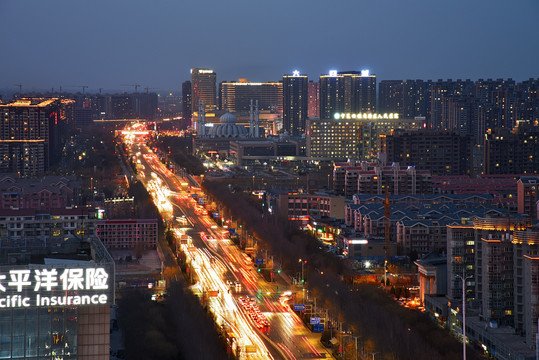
<point x="387" y="215"/>
<point x="20" y="88"/>
<point x="148" y="89"/>
<point x="136" y="86"/>
<point x="83" y="87"/>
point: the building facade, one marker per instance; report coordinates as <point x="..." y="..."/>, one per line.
<point x="314" y="99"/>
<point x="237" y="96"/>
<point x="40" y="228"/>
<point x="60" y="302"/>
<point x="513" y="151"/>
<point x="295" y="103"/>
<point x="49" y="192"/>
<point x="348" y="92"/>
<point x="443" y="153"/>
<point x="187" y="104"/>
<point x="299" y="206"/>
<point x="127" y="233"/>
<point x="528" y="196"/>
<point x="203" y="88"/>
<point x="391" y="97"/>
<point x="333" y="139"/>
<point x="29" y="135"/>
<point x="375" y="178"/>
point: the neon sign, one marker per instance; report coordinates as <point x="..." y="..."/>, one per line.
<point x="365" y="116"/>
<point x="47" y="287"/>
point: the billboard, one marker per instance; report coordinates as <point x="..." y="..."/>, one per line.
<point x="56" y="285"/>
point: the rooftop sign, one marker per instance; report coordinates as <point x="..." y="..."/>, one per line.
<point x="49" y="286"/>
<point x="364" y="116"/>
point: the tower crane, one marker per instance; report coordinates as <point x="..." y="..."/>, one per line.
<point x="148" y="89"/>
<point x="20" y="88"/>
<point x="136" y="86"/>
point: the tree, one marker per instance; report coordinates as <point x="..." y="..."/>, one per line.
<point x="139" y="250"/>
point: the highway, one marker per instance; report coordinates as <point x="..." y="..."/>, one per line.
<point x="243" y="302"/>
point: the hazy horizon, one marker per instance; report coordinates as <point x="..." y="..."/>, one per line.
<point x="103" y="44"/>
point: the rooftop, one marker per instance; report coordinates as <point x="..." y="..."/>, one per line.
<point x="35" y="102"/>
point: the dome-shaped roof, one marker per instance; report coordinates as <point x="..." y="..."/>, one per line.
<point x="228" y="118"/>
<point x="228" y="130"/>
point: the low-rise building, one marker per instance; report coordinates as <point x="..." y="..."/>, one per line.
<point x="528" y="196"/>
<point x="296" y="205"/>
<point x="366" y="249"/>
<point x="127" y="233"/>
<point x="432" y="269"/>
<point x="377" y="178"/>
<point x="40" y="228"/>
<point x="248" y="152"/>
<point x="48" y="192"/>
<point x="119" y="207"/>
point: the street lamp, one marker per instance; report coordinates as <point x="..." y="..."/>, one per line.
<point x="355" y="339"/>
<point x="463" y="278"/>
<point x="302" y="262"/>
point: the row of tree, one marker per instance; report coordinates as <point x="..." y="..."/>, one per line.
<point x="396" y="332"/>
<point x="176" y="329"/>
<point x="178" y="150"/>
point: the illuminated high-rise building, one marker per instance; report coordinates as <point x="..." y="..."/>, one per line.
<point x="347" y="91"/>
<point x="203" y="87"/>
<point x="29" y="135"/>
<point x="333" y="139"/>
<point x="441" y="152"/>
<point x="513" y="151"/>
<point x="363" y="91"/>
<point x="390" y="96"/>
<point x="314" y="99"/>
<point x="295" y="103"/>
<point x="186" y="100"/>
<point x="236" y="96"/>
<point x="331" y="94"/>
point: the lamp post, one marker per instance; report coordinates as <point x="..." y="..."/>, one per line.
<point x="302" y="262"/>
<point x="463" y="278"/>
<point x="355" y="339"/>
<point x="301" y="280"/>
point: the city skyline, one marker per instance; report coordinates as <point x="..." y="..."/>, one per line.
<point x="152" y="46"/>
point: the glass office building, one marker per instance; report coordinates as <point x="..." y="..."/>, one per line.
<point x="57" y="306"/>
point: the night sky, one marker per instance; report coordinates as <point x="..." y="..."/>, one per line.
<point x="108" y="43"/>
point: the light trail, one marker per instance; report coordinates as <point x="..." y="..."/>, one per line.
<point x="211" y="269"/>
<point x="221" y="303"/>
